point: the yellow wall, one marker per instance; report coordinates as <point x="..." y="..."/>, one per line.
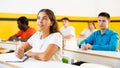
<point x="8" y="28"/>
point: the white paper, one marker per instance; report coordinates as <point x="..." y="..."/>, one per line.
<point x="10" y="57"/>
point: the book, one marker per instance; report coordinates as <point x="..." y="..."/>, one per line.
<point x="10" y="57"/>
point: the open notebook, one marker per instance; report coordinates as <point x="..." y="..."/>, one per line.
<point x="10" y="57"/>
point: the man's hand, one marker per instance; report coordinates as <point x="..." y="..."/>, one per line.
<point x="86" y="46"/>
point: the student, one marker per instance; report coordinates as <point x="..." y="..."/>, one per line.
<point x="88" y="31"/>
<point x="47" y="43"/>
<point x="103" y="39"/>
<point x="25" y="31"/>
<point x="67" y="31"/>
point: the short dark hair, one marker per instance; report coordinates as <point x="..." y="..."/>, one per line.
<point x="105" y="14"/>
<point x="65" y="18"/>
<point x="23" y="20"/>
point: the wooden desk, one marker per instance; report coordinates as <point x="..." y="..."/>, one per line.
<point x="101" y="57"/>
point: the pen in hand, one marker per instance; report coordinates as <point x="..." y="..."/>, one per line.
<point x="19" y="52"/>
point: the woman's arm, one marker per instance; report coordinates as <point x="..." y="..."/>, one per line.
<point x="46" y="55"/>
<point x="21" y="50"/>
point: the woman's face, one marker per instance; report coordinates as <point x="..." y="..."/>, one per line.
<point x="90" y="25"/>
<point x="43" y="21"/>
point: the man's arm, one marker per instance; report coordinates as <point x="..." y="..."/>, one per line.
<point x="23" y="39"/>
<point x="68" y="36"/>
<point x="111" y="46"/>
<point x="88" y="40"/>
<point x="14" y="37"/>
<point x="17" y="38"/>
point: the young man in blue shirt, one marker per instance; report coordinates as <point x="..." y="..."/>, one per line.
<point x="103" y="39"/>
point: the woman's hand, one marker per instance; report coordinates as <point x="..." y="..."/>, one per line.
<point x="29" y="54"/>
<point x="19" y="52"/>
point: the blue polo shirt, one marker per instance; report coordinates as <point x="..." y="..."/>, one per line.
<point x="107" y="41"/>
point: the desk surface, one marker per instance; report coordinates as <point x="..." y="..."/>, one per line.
<point x="107" y="54"/>
<point x="31" y="63"/>
<point x="10" y="45"/>
<point x="109" y="58"/>
<point x="7" y="46"/>
<point x="7" y="65"/>
<point x="11" y="42"/>
<point x="4" y="50"/>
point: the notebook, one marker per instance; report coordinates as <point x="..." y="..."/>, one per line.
<point x="10" y="57"/>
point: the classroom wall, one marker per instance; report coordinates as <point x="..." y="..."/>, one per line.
<point x="62" y="7"/>
<point x="84" y="10"/>
<point x="9" y="27"/>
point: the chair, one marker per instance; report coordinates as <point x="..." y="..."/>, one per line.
<point x="93" y="65"/>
